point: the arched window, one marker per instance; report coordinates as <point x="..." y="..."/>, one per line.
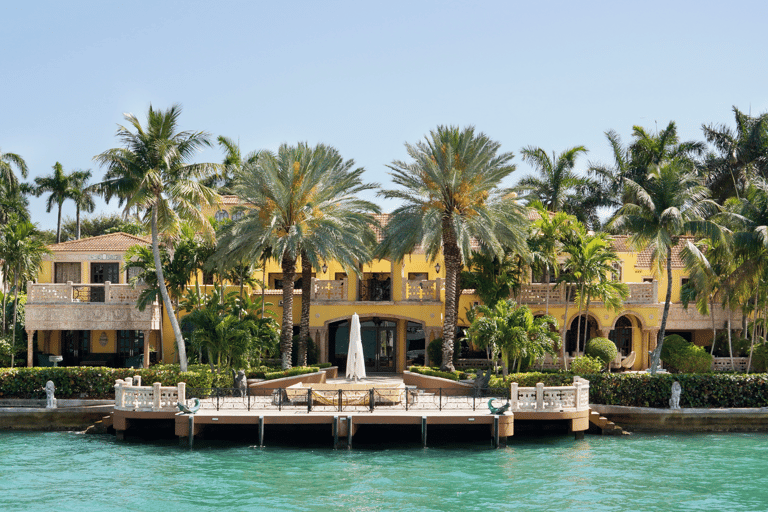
<point x="238" y="215"/>
<point x="221" y="215"/>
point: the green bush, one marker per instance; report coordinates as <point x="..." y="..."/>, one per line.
<point x="291" y="372"/>
<point x="683" y="357"/>
<point x="603" y="349"/>
<point x="587" y="365"/>
<point x="760" y="357"/>
<point x="313" y="353"/>
<point x="435" y="352"/>
<point x="712" y="390"/>
<point x="740" y="346"/>
<point x="433" y="372"/>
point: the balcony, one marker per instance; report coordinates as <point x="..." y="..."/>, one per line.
<point x="536" y="293"/>
<point x="82" y="306"/>
<point x="376" y="290"/>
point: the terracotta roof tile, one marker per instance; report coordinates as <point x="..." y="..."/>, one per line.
<point x="113" y="242"/>
<point x="621" y="244"/>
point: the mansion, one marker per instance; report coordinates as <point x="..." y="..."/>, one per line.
<point x="83" y="308"/>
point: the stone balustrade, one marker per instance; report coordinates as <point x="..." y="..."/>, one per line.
<point x="550" y="398"/>
<point x="537" y="293"/>
<point x="331" y="290"/>
<point x="130" y="395"/>
<point x="69" y="292"/>
<point x="724" y="364"/>
<point x="422" y="289"/>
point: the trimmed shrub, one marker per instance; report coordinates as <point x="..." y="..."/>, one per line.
<point x="587" y="365"/>
<point x="603" y="349"/>
<point x="712" y="390"/>
<point x="431" y="372"/>
<point x="291" y="372"/>
<point x="760" y="357"/>
<point x="683" y="357"/>
<point x="740" y="346"/>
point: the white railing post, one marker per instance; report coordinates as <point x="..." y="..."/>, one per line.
<point x="513" y="397"/>
<point x="156" y="396"/>
<point x="182" y="392"/>
<point x="119" y="403"/>
<point x="577" y="390"/>
<point x="539" y="396"/>
<point x="107" y="292"/>
<point x="137" y="380"/>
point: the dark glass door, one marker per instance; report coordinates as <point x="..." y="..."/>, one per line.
<point x="129" y="344"/>
<point x="75" y="346"/>
<point x="100" y="274"/>
<point x="379" y="344"/>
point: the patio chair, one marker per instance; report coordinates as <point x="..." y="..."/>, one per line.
<point x="628" y="361"/>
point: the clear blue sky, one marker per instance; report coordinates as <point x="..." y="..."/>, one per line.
<point x="366" y="77"/>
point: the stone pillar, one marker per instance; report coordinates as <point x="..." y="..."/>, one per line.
<point x="604" y="332"/>
<point x="650" y="346"/>
<point x="107" y="291"/>
<point x="147" y="334"/>
<point x="30" y="345"/>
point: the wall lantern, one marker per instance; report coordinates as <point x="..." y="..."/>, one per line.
<point x="437" y="268"/>
<point x="324" y="268"/>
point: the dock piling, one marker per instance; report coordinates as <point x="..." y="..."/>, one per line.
<point x="261" y="431"/>
<point x="191" y="430"/>
<point x="495" y="431"/>
<point x="335" y="432"/>
<point x="349" y="431"/>
<point x="424" y="431"/>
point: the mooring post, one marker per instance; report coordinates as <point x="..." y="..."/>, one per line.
<point x="349" y="431"/>
<point x="335" y="432"/>
<point x="495" y="431"/>
<point x="309" y="400"/>
<point x="191" y="430"/>
<point x="370" y="399"/>
<point x="261" y="431"/>
<point x="424" y="431"/>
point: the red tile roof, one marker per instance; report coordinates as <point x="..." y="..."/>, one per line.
<point x="113" y="242"/>
<point x="620" y="243"/>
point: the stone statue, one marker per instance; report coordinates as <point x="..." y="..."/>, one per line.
<point x="482" y="380"/>
<point x="674" y="402"/>
<point x="49" y="389"/>
<point x="241" y="383"/>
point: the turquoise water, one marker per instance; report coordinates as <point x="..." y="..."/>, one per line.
<point x="68" y="471"/>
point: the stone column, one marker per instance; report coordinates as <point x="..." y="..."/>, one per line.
<point x="30" y="344"/>
<point x="604" y="332"/>
<point x="147" y="334"/>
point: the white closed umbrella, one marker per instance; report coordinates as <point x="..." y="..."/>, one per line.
<point x="355" y="360"/>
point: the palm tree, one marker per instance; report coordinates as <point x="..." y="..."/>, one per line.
<point x="450" y="196"/>
<point x="632" y="162"/>
<point x="515" y="331"/>
<point x="60" y="185"/>
<point x="7" y="176"/>
<point x="304" y="205"/>
<point x="23" y="252"/>
<point x="152" y="173"/>
<point x="673" y="203"/>
<point x="82" y="195"/>
<point x="547" y="241"/>
<point x="742" y="154"/>
<point x="233" y="162"/>
<point x="558" y="187"/>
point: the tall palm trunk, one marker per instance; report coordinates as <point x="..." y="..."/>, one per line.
<point x="58" y="226"/>
<point x="578" y="328"/>
<point x="182" y="350"/>
<point x="306" y="289"/>
<point x="754" y="328"/>
<point x="15" y="312"/>
<point x="667" y="301"/>
<point x="714" y="329"/>
<point x="730" y="342"/>
<point x="77" y="222"/>
<point x="286" y="329"/>
<point x="565" y="326"/>
<point x="452" y="256"/>
<point x="586" y="325"/>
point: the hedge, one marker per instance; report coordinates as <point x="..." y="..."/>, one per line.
<point x="430" y="372"/>
<point x="699" y="390"/>
<point x="91" y="382"/>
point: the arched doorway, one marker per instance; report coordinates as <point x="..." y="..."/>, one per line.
<point x="379" y="337"/>
<point x="621" y="336"/>
<point x="589" y="325"/>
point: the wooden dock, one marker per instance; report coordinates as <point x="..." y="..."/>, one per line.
<point x="343" y="411"/>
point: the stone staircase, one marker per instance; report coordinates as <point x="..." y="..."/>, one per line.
<point x="102" y="426"/>
<point x="605" y="426"/>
